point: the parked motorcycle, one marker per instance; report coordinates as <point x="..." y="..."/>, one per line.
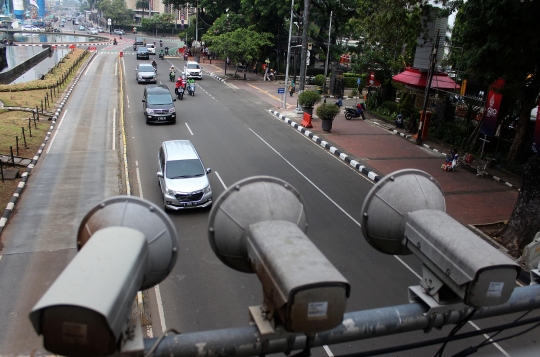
<point x="350" y="113"/>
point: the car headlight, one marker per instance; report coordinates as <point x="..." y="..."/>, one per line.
<point x="172" y="110"/>
<point x="170" y="192"/>
<point x="149" y="111"/>
<point x="207" y="189"/>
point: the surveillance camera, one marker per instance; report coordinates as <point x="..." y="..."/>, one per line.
<point x="404" y="213"/>
<point x="258" y="225"/>
<point x="126" y="244"/>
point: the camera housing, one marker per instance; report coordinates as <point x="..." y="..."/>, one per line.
<point x="126" y="244"/>
<point x="404" y="213"/>
<point x="258" y="226"/>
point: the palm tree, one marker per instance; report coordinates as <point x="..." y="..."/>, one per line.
<point x="143" y="4"/>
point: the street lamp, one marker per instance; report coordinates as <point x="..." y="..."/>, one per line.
<point x="288" y="57"/>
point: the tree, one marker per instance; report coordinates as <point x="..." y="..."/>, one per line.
<point x="240" y="45"/>
<point x="524" y="222"/>
<point x="116" y="10"/>
<point x="501" y="38"/>
<point x="143" y="4"/>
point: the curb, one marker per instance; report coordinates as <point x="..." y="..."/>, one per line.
<point x="461" y="162"/>
<point x="24" y="177"/>
<point x="372" y="175"/>
<point x="215" y="76"/>
<point x="66" y="44"/>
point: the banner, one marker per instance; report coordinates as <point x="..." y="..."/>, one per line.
<point x="492" y="108"/>
<point x="536" y="138"/>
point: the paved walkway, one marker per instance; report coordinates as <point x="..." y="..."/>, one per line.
<point x="379" y="147"/>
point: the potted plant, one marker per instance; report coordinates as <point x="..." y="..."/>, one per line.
<point x="327" y="112"/>
<point x="307" y="100"/>
<point x="319" y="82"/>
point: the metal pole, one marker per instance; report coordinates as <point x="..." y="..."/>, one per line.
<point x="357" y="325"/>
<point x="433" y="60"/>
<point x="197" y="22"/>
<point x="288" y="57"/>
<point x="303" y="58"/>
<point x="328" y="46"/>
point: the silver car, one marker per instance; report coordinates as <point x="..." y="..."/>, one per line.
<point x="146" y="73"/>
<point x="182" y="177"/>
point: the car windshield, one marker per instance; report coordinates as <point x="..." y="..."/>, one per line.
<point x="184" y="169"/>
<point x="193" y="66"/>
<point x="160" y="98"/>
<point x="146" y="68"/>
<point x="142" y="49"/>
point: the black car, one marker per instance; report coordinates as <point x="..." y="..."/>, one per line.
<point x="138" y="42"/>
<point x="158" y="104"/>
<point x="142" y="52"/>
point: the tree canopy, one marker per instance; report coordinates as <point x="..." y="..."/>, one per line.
<point x="116" y="10"/>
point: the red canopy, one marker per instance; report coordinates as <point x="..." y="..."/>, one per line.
<point x="413" y="77"/>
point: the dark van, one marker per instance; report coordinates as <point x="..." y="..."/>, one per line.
<point x="158" y="104"/>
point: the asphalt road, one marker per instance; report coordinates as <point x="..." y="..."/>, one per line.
<point x="237" y="138"/>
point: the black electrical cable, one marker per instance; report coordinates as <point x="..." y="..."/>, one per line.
<point x="156" y="344"/>
<point x="456" y="328"/>
<point x="435" y="341"/>
<point x="489" y="340"/>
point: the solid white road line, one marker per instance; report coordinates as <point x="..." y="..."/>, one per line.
<point x="114" y="130"/>
<point x="487" y="337"/>
<point x="160" y="310"/>
<point x="327" y="349"/>
<point x="139" y="179"/>
<point x="90" y="65"/>
<point x="189" y="128"/>
<point x="56" y="132"/>
<point x="220" y="180"/>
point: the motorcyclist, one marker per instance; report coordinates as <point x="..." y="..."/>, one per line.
<point x="167" y="50"/>
<point x="172" y="72"/>
<point x="191" y="82"/>
<point x="161" y="54"/>
<point x="360" y="110"/>
<point x="114" y="41"/>
<point x="179" y="83"/>
<point x="154" y="64"/>
<point x="160" y="43"/>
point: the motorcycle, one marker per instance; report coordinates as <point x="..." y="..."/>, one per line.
<point x="154" y="64"/>
<point x="179" y="92"/>
<point x="114" y="42"/>
<point x="161" y="56"/>
<point x="172" y="76"/>
<point x="350" y="113"/>
<point x="191" y="89"/>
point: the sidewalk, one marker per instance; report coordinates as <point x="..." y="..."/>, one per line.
<point x="376" y="148"/>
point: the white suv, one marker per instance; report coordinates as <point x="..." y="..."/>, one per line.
<point x="192" y="70"/>
<point x="151" y="48"/>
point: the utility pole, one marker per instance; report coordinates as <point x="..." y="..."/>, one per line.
<point x="328" y="46"/>
<point x="423" y="115"/>
<point x="288" y="57"/>
<point x="303" y="58"/>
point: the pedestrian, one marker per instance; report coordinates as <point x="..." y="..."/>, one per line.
<point x="339" y="102"/>
<point x="399" y="121"/>
<point x="266" y="74"/>
<point x="291" y="88"/>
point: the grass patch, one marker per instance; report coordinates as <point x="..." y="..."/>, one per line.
<point x="30" y="95"/>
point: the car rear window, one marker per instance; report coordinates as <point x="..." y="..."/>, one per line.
<point x="184" y="169"/>
<point x="146" y="68"/>
<point x="193" y="66"/>
<point x="159" y="98"/>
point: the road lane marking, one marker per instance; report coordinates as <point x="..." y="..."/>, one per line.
<point x="114" y="130"/>
<point x="327" y="349"/>
<point x="271" y="95"/>
<point x="220" y="180"/>
<point x="56" y="132"/>
<point x="350" y="217"/>
<point x="87" y="68"/>
<point x="488" y="338"/>
<point x="116" y="69"/>
<point x="306" y="178"/>
<point x="160" y="309"/>
<point x="139" y="179"/>
<point x="189" y="128"/>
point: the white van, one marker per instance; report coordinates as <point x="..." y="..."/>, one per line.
<point x="182" y="177"/>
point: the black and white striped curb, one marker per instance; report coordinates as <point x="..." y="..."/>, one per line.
<point x="372" y="175"/>
<point x="65" y="44"/>
<point x="24" y="177"/>
<point x="461" y="162"/>
<point x="216" y="77"/>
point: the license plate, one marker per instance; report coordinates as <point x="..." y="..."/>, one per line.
<point x="188" y="204"/>
<point x="162" y="118"/>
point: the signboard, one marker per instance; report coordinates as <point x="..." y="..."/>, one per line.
<point x="358" y="81"/>
<point x="109" y="22"/>
<point x="492" y="108"/>
<point x="281" y="90"/>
